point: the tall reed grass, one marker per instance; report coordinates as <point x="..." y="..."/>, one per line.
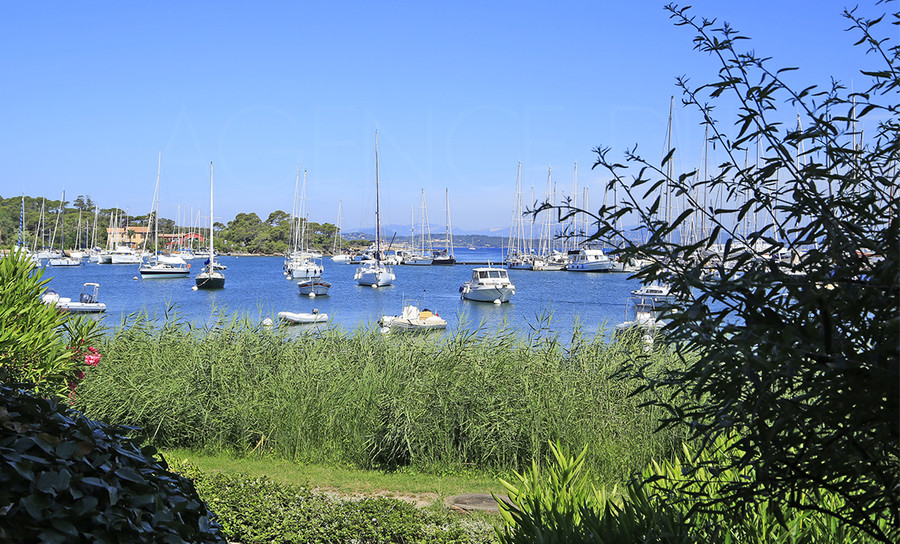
<point x="474" y="399"/>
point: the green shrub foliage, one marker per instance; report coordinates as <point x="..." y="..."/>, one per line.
<point x="67" y="478"/>
<point x="260" y="510"/>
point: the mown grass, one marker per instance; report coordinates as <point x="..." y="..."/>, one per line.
<point x="473" y="401"/>
<point x="421" y="488"/>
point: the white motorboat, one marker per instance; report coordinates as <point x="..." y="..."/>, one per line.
<point x="65" y="261"/>
<point x="488" y="285"/>
<point x="656" y="291"/>
<point x="413" y="320"/>
<point x="87" y="302"/>
<point x="124" y="255"/>
<point x="314" y="287"/>
<point x="374" y="273"/>
<point x="344" y="258"/>
<point x="588" y="260"/>
<point x="303" y="317"/>
<point x="643" y="313"/>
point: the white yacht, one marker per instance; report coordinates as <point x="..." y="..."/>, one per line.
<point x="656" y="291"/>
<point x="488" y="285"/>
<point x="124" y="255"/>
<point x="588" y="260"/>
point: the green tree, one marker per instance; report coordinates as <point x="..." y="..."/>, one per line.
<point x="797" y="355"/>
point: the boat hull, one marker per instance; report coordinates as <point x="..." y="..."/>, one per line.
<point x="488" y="293"/>
<point x="302" y="317"/>
<point x="206" y="280"/>
<point x="374" y="276"/>
<point x="314" y="287"/>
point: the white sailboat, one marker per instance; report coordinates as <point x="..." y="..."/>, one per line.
<point x="421" y="254"/>
<point x="62" y="258"/>
<point x="300" y="264"/>
<point x="373" y="272"/>
<point x="518" y="254"/>
<point x="338" y="255"/>
<point x="161" y="266"/>
<point x="211" y="277"/>
<point x="445" y="256"/>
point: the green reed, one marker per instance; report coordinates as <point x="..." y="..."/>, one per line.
<point x="472" y="399"/>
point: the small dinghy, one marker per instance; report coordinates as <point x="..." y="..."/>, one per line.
<point x="87" y="302"/>
<point x="301" y="317"/>
<point x="413" y="320"/>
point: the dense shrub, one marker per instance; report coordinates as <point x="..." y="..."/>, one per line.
<point x="66" y="478"/>
<point x="260" y="510"/>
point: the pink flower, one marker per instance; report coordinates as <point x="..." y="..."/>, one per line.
<point x="92" y="360"/>
<point x="92" y="349"/>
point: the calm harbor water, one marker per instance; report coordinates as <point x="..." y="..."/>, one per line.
<point x="255" y="287"/>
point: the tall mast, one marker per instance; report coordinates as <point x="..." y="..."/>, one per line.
<point x="211" y="250"/>
<point x="377" y="204"/>
<point x="156" y="210"/>
<point x="449" y="228"/>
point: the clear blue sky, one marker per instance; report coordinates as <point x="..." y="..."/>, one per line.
<point x="460" y="92"/>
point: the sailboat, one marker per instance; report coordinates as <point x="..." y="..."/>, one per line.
<point x="518" y="254"/>
<point x="20" y="245"/>
<point x="445" y="256"/>
<point x="62" y="259"/>
<point x="374" y="272"/>
<point x="421" y="255"/>
<point x="336" y="250"/>
<point x="161" y="266"/>
<point x="211" y="277"/>
<point x="300" y="263"/>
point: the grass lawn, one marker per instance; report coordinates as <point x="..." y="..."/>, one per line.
<point x="419" y="488"/>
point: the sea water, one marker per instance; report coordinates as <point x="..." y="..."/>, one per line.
<point x="255" y="287"/>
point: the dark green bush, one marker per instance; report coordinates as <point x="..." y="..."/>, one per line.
<point x="67" y="478"/>
<point x="260" y="510"/>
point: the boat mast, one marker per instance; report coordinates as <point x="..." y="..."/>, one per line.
<point x="377" y="204"/>
<point x="211" y="250"/>
<point x="156" y="210"/>
<point x="449" y="228"/>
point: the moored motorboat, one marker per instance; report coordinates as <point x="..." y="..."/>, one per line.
<point x="588" y="260"/>
<point x="411" y="319"/>
<point x="87" y="302"/>
<point x="488" y="285"/>
<point x="314" y="287"/>
<point x="656" y="291"/>
<point x="303" y="317"/>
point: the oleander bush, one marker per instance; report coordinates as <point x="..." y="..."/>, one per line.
<point x="41" y="347"/>
<point x="67" y="478"/>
